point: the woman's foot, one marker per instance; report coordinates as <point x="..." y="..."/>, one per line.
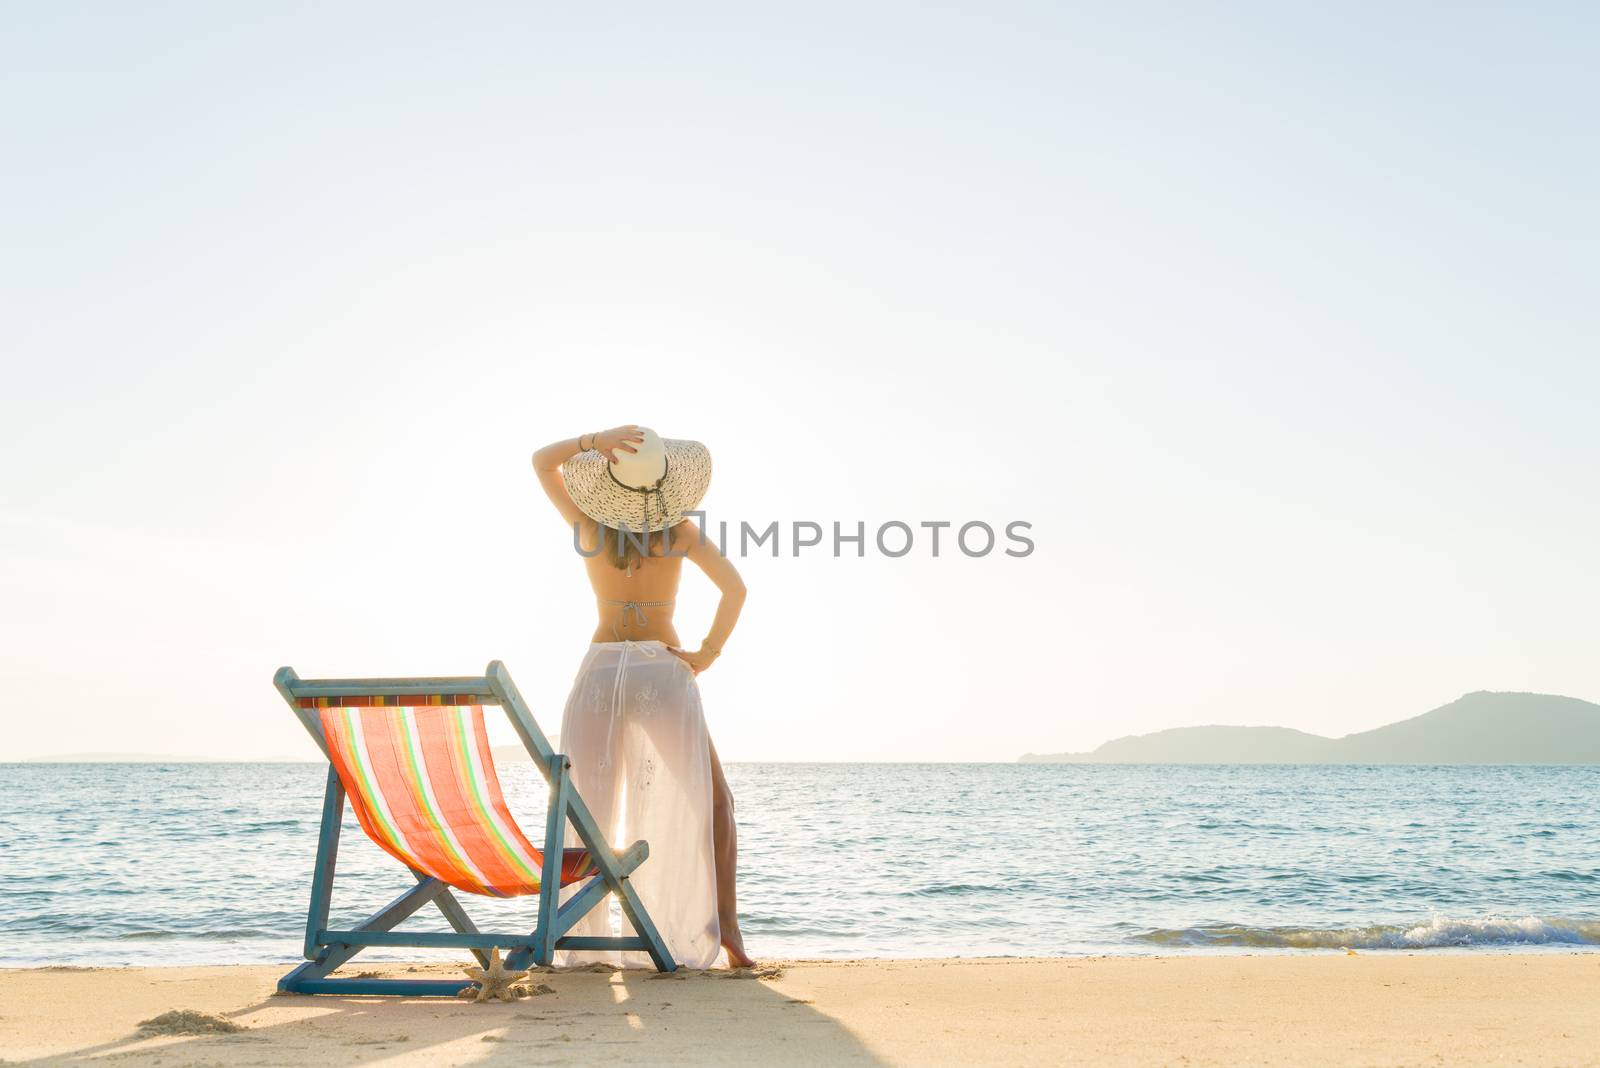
<point x="734" y="943"/>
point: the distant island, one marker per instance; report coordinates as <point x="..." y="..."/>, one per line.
<point x="1479" y="728"/>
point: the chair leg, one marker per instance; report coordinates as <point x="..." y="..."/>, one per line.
<point x="616" y="879"/>
<point x="333" y="955"/>
<point x="459" y="920"/>
<point x="596" y="888"/>
<point x="327" y="861"/>
<point x="645" y="928"/>
<point x="555" y="822"/>
<point x="416" y="988"/>
<point x="555" y="844"/>
<point x="555" y="919"/>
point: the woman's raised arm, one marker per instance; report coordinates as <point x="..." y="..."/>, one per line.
<point x="548" y="460"/>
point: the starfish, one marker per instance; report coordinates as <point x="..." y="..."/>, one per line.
<point x="495" y="981"/>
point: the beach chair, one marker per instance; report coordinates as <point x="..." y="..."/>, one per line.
<point x="413" y="758"/>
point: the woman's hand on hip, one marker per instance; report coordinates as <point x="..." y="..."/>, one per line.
<point x="698" y="660"/>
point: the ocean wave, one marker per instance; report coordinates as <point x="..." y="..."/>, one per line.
<point x="240" y="934"/>
<point x="1439" y="932"/>
<point x="942" y="889"/>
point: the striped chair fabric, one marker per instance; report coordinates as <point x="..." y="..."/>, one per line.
<point x="424" y="788"/>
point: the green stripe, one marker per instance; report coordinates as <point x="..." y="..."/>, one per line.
<point x="469" y="752"/>
<point x="408" y="729"/>
<point x="368" y="787"/>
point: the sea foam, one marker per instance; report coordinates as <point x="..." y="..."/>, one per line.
<point x="1440" y="931"/>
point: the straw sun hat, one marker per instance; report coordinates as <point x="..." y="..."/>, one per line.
<point x="644" y="491"/>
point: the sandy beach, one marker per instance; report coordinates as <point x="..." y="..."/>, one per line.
<point x="1327" y="1009"/>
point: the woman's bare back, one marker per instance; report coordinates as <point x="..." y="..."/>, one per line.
<point x="637" y="605"/>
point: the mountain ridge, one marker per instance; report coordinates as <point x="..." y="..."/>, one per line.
<point x="1481" y="727"/>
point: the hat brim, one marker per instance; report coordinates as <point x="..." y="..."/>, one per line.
<point x="608" y="502"/>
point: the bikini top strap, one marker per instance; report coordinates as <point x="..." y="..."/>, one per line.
<point x="635" y="607"/>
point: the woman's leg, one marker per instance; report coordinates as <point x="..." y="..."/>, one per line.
<point x="725" y="843"/>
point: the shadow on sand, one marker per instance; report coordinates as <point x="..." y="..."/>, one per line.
<point x="587" y="1016"/>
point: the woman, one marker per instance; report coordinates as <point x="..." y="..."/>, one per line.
<point x="633" y="729"/>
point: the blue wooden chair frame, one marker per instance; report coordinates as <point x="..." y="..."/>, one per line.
<point x="327" y="949"/>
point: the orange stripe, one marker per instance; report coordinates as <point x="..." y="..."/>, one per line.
<point x="400" y="792"/>
<point x="419" y="776"/>
<point x="492" y="787"/>
<point x="440" y="752"/>
<point x="340" y="742"/>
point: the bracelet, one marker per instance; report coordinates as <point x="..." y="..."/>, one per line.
<point x="714" y="650"/>
<point x="581" y="446"/>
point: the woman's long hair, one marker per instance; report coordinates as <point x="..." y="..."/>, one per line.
<point x="622" y="547"/>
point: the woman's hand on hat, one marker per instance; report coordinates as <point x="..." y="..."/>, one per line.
<point x="607" y="442"/>
<point x="698" y="660"/>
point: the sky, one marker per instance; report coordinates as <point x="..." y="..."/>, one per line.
<point x="1274" y="321"/>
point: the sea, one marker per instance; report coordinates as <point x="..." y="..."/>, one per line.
<point x="147" y="864"/>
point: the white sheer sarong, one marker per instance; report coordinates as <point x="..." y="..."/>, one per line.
<point x="641" y="760"/>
